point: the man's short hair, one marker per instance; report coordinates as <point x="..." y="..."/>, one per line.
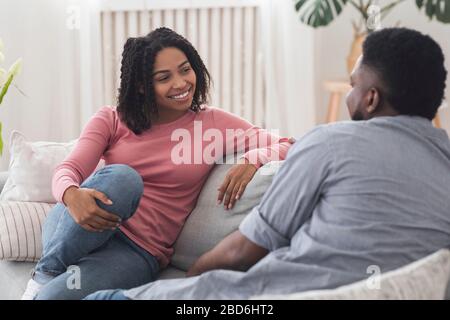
<point x="411" y="68"/>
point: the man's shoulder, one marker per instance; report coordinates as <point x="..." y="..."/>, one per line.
<point x="330" y="130"/>
<point x="333" y="135"/>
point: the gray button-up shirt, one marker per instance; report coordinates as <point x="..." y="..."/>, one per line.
<point x="349" y="196"/>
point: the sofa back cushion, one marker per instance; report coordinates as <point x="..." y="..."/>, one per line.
<point x="209" y="222"/>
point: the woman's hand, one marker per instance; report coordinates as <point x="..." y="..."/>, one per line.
<point x="85" y="211"/>
<point x="235" y="182"/>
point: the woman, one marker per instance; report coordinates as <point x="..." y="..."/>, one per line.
<point x="116" y="228"/>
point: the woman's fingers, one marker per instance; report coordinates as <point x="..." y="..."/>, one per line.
<point x="241" y="190"/>
<point x="104" y="224"/>
<point x="228" y="193"/>
<point x="234" y="195"/>
<point x="101" y="196"/>
<point x="235" y="183"/>
<point x="108" y="216"/>
<point x="222" y="189"/>
<point x="90" y="228"/>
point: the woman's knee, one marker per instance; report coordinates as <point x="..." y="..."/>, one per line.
<point x="123" y="175"/>
<point x="120" y="183"/>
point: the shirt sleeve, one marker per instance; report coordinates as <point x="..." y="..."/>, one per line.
<point x="83" y="159"/>
<point x="260" y="146"/>
<point x="294" y="193"/>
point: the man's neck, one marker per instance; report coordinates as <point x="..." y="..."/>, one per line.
<point x="385" y="111"/>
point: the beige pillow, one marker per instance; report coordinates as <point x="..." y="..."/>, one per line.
<point x="424" y="279"/>
<point x="21" y="229"/>
<point x="209" y="223"/>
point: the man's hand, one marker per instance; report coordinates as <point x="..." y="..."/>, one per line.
<point x="235" y="183"/>
<point x="85" y="211"/>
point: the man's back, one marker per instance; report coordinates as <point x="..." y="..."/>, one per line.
<point x="370" y="193"/>
<point x="385" y="201"/>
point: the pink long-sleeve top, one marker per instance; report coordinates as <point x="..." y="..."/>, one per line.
<point x="171" y="166"/>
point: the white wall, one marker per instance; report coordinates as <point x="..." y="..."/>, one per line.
<point x="332" y="45"/>
<point x="288" y="48"/>
<point x="55" y="107"/>
<point x="50" y="77"/>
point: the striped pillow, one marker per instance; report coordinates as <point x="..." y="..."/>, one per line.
<point x="21" y="229"/>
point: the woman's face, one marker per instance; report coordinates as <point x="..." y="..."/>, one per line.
<point x="174" y="81"/>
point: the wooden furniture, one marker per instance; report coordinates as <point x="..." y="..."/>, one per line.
<point x="340" y="88"/>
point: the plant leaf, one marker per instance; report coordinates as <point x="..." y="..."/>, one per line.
<point x="318" y="13"/>
<point x="6" y="86"/>
<point x="16" y="67"/>
<point x="2" y="74"/>
<point x="439" y="9"/>
<point x="443" y="11"/>
<point x="1" y="140"/>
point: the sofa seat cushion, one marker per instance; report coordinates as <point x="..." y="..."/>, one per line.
<point x="14" y="277"/>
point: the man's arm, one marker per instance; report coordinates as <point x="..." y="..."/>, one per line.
<point x="285" y="207"/>
<point x="235" y="252"/>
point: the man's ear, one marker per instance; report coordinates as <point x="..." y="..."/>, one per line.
<point x="373" y="100"/>
<point x="141" y="89"/>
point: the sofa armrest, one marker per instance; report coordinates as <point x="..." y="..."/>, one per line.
<point x="3" y="178"/>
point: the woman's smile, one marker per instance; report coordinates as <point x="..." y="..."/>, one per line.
<point x="183" y="96"/>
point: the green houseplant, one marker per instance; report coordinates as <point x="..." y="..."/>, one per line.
<point x="319" y="13"/>
<point x="6" y="78"/>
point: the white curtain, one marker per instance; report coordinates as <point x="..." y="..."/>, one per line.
<point x="288" y="49"/>
<point x="50" y="36"/>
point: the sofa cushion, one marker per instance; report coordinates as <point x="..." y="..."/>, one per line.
<point x="31" y="168"/>
<point x="14" y="277"/>
<point x="209" y="222"/>
<point x="21" y="229"/>
<point x="423" y="279"/>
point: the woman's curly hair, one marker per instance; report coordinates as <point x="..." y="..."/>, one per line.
<point x="136" y="100"/>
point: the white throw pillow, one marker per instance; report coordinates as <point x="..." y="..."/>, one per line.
<point x="21" y="230"/>
<point x="31" y="168"/>
<point x="424" y="279"/>
<point x="209" y="223"/>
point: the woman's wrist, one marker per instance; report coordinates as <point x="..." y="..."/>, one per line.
<point x="69" y="195"/>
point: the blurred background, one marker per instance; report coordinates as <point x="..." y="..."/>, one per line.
<point x="267" y="64"/>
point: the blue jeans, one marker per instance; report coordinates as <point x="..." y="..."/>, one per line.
<point x="76" y="262"/>
<point x="107" y="295"/>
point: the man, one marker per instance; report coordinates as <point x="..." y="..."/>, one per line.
<point x="349" y="195"/>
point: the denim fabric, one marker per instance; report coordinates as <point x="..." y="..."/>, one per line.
<point x="107" y="295"/>
<point x="77" y="262"/>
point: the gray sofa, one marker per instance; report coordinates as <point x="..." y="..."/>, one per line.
<point x="209" y="223"/>
<point x="206" y="226"/>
